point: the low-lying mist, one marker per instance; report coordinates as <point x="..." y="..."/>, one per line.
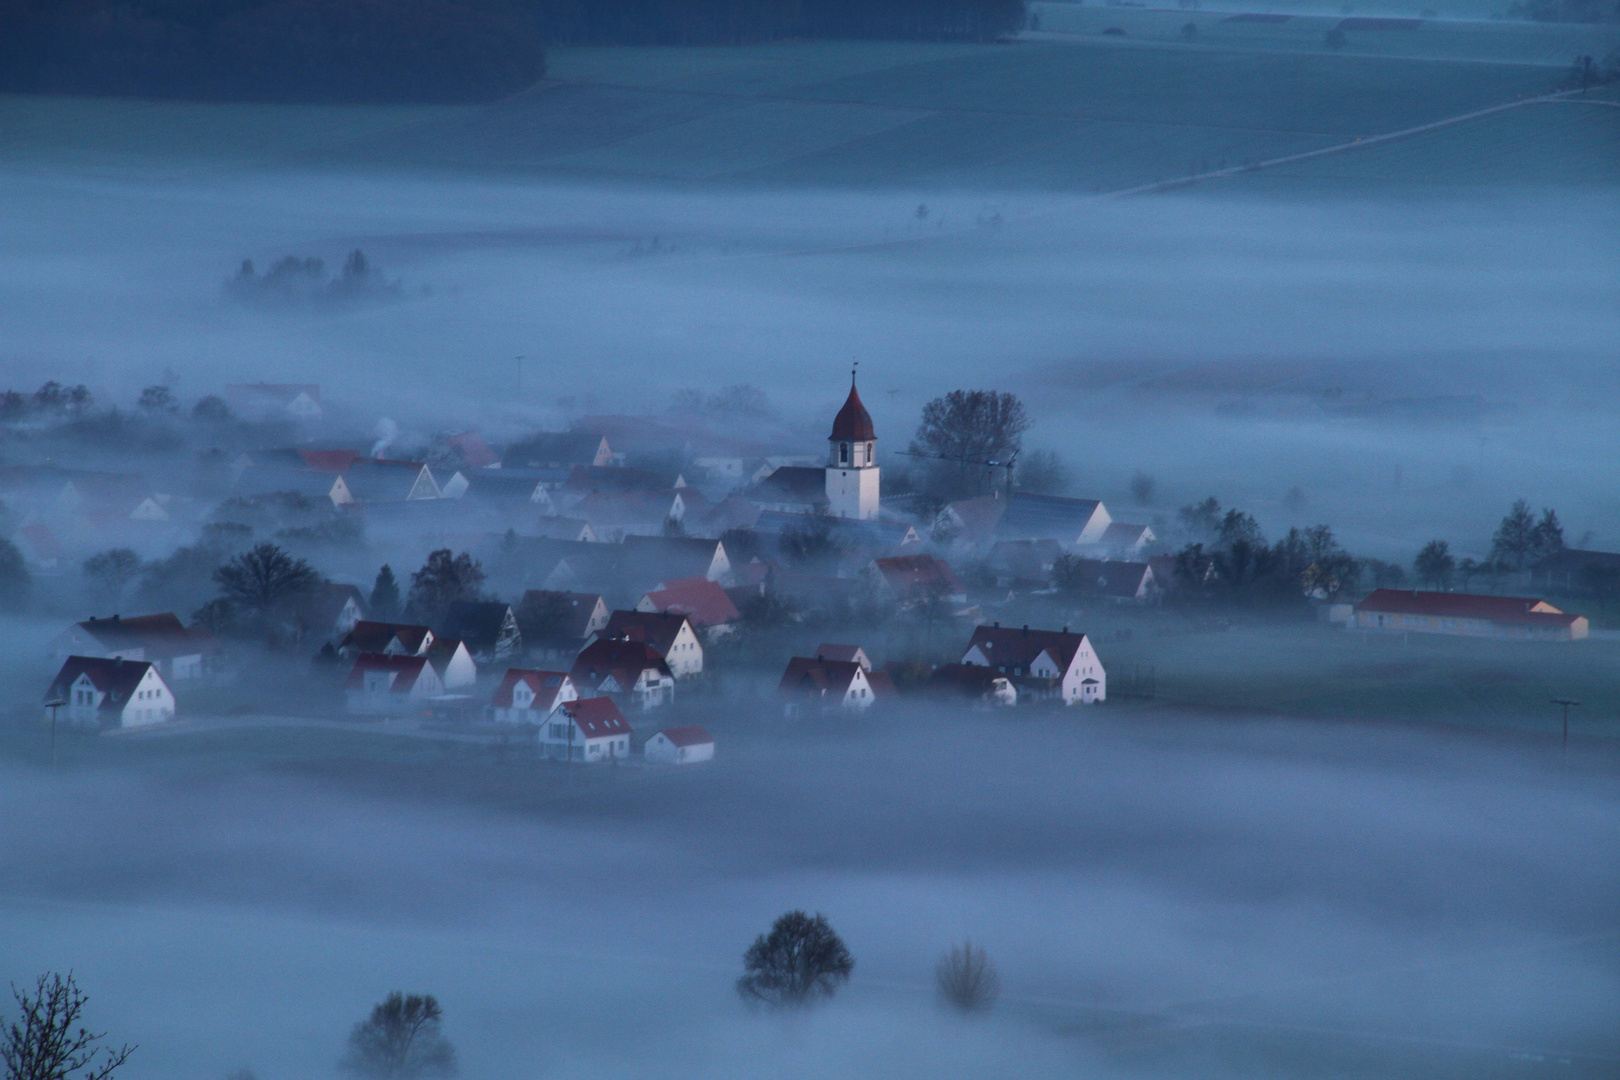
<point x="1398" y="360"/>
<point x="1163" y="896"/>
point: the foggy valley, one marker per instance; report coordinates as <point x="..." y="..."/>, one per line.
<point x="512" y="500"/>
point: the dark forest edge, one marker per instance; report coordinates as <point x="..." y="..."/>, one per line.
<point x="352" y="51"/>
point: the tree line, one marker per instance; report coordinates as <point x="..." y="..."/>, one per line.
<point x="409" y="50"/>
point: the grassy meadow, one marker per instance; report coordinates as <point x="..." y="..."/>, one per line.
<point x="1082" y="114"/>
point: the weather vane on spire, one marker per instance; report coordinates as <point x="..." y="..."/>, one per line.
<point x="853" y="365"/>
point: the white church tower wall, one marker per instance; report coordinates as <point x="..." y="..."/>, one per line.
<point x="852" y="470"/>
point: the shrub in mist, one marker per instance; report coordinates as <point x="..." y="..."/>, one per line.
<point x="16" y="583"/>
<point x="801" y="961"/>
<point x="966" y="979"/>
<point x="401" y="1040"/>
<point x="1042" y="472"/>
<point x="294" y="280"/>
<point x="47" y="1039"/>
<point x="1142" y="489"/>
<point x="109" y="573"/>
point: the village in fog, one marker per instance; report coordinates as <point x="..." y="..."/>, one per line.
<point x="914" y="539"/>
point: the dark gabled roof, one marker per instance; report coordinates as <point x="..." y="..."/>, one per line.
<point x="689" y="735"/>
<point x="555" y="449"/>
<point x="501" y="484"/>
<point x="442" y="651"/>
<point x="1511" y="610"/>
<point x="916" y="575"/>
<point x="624" y="660"/>
<point x="635" y="509"/>
<point x="1111" y="577"/>
<point x="846" y="653"/>
<point x="657" y="629"/>
<point x="1026" y="560"/>
<point x="798" y="484"/>
<point x="374" y="480"/>
<point x="1011" y="646"/>
<point x="116" y="679"/>
<point x="576" y="607"/>
<point x="477" y="622"/>
<point x="618" y="480"/>
<point x="1038" y="516"/>
<point x="368" y="636"/>
<point x="666" y="558"/>
<point x="847" y="533"/>
<point x="597" y="717"/>
<point x="853" y="423"/>
<point x="272" y="480"/>
<point x="817" y="677"/>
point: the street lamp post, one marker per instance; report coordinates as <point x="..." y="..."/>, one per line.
<point x="1566" y="703"/>
<point x="53" y="705"/>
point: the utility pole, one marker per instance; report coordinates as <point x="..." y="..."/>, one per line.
<point x="1566" y="703"/>
<point x="53" y="705"/>
<point x="519" y="360"/>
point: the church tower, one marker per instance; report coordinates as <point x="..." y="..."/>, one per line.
<point x="852" y="471"/>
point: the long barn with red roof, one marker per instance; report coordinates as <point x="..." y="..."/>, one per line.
<point x="1468" y="615"/>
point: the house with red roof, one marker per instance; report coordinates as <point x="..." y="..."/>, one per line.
<point x="702" y="601"/>
<point x="589" y="729"/>
<point x="679" y="746"/>
<point x="908" y="580"/>
<point x="96" y="690"/>
<point x="1467" y="615"/>
<point x="384" y="685"/>
<point x="162" y="640"/>
<point x="1041" y="663"/>
<point x="818" y="684"/>
<point x="633" y="670"/>
<point x="528" y="696"/>
<point x="669" y="632"/>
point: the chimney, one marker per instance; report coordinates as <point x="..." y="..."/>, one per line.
<point x="1065" y="628"/>
<point x="1026" y="629"/>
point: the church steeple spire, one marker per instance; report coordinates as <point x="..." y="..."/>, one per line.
<point x="852" y="472"/>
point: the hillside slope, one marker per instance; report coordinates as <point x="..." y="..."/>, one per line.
<point x="1083" y="116"/>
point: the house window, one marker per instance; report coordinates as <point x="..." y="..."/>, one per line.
<point x="843" y="453"/>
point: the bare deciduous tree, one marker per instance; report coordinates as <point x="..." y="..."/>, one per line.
<point x="966" y="978"/>
<point x="962" y="431"/>
<point x="801" y="961"/>
<point x="401" y="1040"/>
<point x="262" y="577"/>
<point x="110" y="572"/>
<point x="46" y="1040"/>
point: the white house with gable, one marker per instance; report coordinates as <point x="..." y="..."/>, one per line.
<point x="1042" y="663"/>
<point x="95" y="690"/>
